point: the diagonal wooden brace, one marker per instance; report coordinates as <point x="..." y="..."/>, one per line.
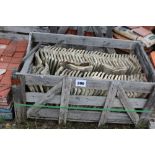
<point x="47" y="96"/>
<point x="66" y="87"/>
<point x="124" y="100"/>
<point x="150" y="107"/>
<point x="109" y="102"/>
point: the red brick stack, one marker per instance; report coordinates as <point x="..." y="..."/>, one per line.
<point x="11" y="55"/>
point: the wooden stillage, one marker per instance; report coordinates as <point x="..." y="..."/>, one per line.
<point x="58" y="103"/>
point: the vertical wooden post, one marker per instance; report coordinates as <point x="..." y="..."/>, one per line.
<point x="80" y="31"/>
<point x="97" y="30"/>
<point x="109" y="102"/>
<point x="66" y="87"/>
<point x="109" y="32"/>
<point x="53" y="29"/>
<point x="19" y="98"/>
<point x="62" y="29"/>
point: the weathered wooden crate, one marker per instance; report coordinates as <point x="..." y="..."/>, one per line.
<point x="59" y="94"/>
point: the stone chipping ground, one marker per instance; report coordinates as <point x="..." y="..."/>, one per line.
<point x="42" y="124"/>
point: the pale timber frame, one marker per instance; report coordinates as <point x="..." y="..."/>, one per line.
<point x="63" y="85"/>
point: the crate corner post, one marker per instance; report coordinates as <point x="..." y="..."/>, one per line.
<point x="19" y="100"/>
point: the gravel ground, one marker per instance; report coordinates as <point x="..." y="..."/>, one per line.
<point x="42" y="124"/>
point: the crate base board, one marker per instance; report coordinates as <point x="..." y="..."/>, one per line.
<point x="82" y="116"/>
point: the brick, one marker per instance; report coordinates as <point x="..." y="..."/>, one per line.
<point x="3" y="65"/>
<point x="11" y="48"/>
<point x="6" y="81"/>
<point x="19" y="55"/>
<point x="89" y="34"/>
<point x="21" y="48"/>
<point x="142" y="31"/>
<point x="22" y="43"/>
<point x="8" y="73"/>
<point x="16" y="60"/>
<point x="4" y="90"/>
<point x="5" y="59"/>
<point x="152" y="56"/>
<point x="151" y="28"/>
<point x="1" y="51"/>
<point x="5" y="41"/>
<point x="13" y="66"/>
<point x="1" y="76"/>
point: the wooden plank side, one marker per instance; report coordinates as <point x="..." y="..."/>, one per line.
<point x="82" y="116"/>
<point x="13" y="36"/>
<point x="24" y="29"/>
<point x="145" y="62"/>
<point x="50" y="80"/>
<point x="83" y="40"/>
<point x="29" y="46"/>
<point x="65" y="95"/>
<point x="79" y="100"/>
<point x="109" y="32"/>
<point x="97" y="30"/>
<point x="150" y="107"/>
<point x="62" y="29"/>
<point x="124" y="100"/>
<point x="19" y="98"/>
<point x="109" y="102"/>
<point x="32" y="51"/>
<point x="80" y="30"/>
<point x="47" y="96"/>
<point x="29" y="58"/>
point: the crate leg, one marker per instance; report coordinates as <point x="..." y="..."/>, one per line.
<point x="18" y="99"/>
<point x="66" y="87"/>
<point x="150" y="107"/>
<point x="20" y="112"/>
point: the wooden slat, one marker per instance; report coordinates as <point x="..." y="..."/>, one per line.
<point x="62" y="29"/>
<point x="19" y="98"/>
<point x="109" y="32"/>
<point x="53" y="29"/>
<point x="32" y="51"/>
<point x="47" y="96"/>
<point x="65" y="95"/>
<point x="24" y="29"/>
<point x="13" y="36"/>
<point x="83" y="40"/>
<point x="82" y="116"/>
<point x="124" y="100"/>
<point x="149" y="106"/>
<point x="48" y="80"/>
<point x="145" y="62"/>
<point x="97" y="30"/>
<point x="80" y="31"/>
<point x="96" y="101"/>
<point x="29" y="58"/>
<point x="109" y="102"/>
<point x="29" y="46"/>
